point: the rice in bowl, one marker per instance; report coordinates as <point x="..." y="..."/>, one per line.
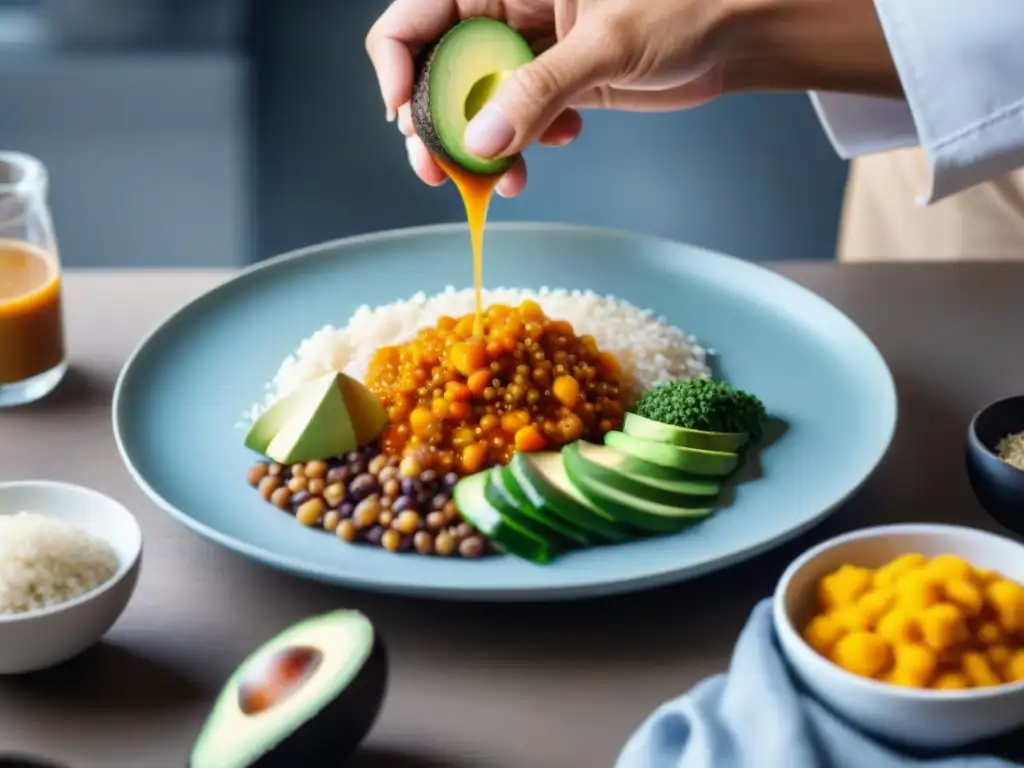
<point x="45" y="562"/>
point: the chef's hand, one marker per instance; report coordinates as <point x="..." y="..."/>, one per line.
<point x="638" y="55"/>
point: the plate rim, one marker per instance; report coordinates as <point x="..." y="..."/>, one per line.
<point x="545" y="593"/>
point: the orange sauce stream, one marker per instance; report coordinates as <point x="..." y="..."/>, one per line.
<point x="31" y="317"/>
<point x="476" y="192"/>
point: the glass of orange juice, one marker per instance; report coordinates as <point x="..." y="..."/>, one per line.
<point x="32" y="349"/>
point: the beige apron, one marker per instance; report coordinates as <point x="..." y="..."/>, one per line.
<point x="882" y="220"/>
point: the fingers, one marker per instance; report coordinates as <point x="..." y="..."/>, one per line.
<point x="530" y="99"/>
<point x="699" y="91"/>
<point x="514" y="180"/>
<point x="403" y="29"/>
<point x="565" y="128"/>
<point x="423" y="163"/>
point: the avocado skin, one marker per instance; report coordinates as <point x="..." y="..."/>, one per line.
<point x="419" y="108"/>
<point x="326" y="738"/>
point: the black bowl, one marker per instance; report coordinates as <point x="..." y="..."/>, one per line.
<point x="998" y="485"/>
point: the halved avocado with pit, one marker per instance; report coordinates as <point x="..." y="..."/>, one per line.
<point x="308" y="696"/>
<point x="455" y="77"/>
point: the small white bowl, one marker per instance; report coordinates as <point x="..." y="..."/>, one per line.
<point x="922" y="719"/>
<point x="39" y="639"/>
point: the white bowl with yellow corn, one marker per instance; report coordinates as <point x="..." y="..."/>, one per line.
<point x="914" y="632"/>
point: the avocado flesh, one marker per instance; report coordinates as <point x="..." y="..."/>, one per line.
<point x="543" y="479"/>
<point x="471" y="500"/>
<point x="323" y="719"/>
<point x="561" y="535"/>
<point x="454" y="78"/>
<point x="609" y="466"/>
<point x="649" y="429"/>
<point x="693" y="460"/>
<point x="627" y="508"/>
<point x="312" y="422"/>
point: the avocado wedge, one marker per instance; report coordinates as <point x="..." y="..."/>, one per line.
<point x="308" y="696"/>
<point x="698" y="462"/>
<point x="471" y="500"/>
<point x="455" y="77"/>
<point x="633" y="476"/>
<point x="543" y="479"/>
<point x="561" y="535"/>
<point x="649" y="429"/>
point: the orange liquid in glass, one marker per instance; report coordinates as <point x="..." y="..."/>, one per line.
<point x="31" y="315"/>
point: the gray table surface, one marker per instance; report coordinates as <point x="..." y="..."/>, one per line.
<point x="503" y="686"/>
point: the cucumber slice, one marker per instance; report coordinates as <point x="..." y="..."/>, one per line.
<point x="542" y="477"/>
<point x="560" y="534"/>
<point x="512" y="538"/>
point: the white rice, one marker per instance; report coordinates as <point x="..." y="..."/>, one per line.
<point x="650" y="350"/>
<point x="46" y="562"/>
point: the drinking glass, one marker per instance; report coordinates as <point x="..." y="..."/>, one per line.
<point x="33" y="358"/>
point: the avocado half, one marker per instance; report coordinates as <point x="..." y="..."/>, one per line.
<point x="455" y="77"/>
<point x="307" y="697"/>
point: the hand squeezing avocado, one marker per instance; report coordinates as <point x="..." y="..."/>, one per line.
<point x="307" y="697"/>
<point x="455" y="77"/>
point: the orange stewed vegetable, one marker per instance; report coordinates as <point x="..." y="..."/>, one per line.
<point x="464" y="403"/>
<point x="933" y="623"/>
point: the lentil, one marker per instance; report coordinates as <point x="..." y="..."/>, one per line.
<point x="462" y="402"/>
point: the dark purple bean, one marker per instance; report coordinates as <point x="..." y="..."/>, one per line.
<point x="338" y="475"/>
<point x="409" y="486"/>
<point x="439" y="500"/>
<point x="346" y="509"/>
<point x="402" y="504"/>
<point x="300" y="498"/>
<point x="405" y="543"/>
<point x="357" y="468"/>
<point x="423" y="499"/>
<point x="428" y="476"/>
<point x="370" y="451"/>
<point x="362" y="486"/>
<point x="353" y="457"/>
<point x="450" y="480"/>
<point x="373" y="536"/>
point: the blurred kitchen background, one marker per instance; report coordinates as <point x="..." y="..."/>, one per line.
<point x="221" y="132"/>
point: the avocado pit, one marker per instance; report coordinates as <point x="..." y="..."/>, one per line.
<point x="481" y="92"/>
<point x="284" y="673"/>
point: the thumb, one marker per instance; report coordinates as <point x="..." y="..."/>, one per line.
<point x="531" y="97"/>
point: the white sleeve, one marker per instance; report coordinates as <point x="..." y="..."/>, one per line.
<point x="962" y="69"/>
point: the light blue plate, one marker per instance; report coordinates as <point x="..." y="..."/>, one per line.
<point x="181" y="394"/>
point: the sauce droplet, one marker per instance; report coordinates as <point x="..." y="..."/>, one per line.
<point x="277" y="678"/>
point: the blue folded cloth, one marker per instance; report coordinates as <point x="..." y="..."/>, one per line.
<point x="757" y="716"/>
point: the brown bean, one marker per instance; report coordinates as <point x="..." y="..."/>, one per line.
<point x="298" y="470"/>
<point x="268" y="485"/>
<point x="410" y="467"/>
<point x="435" y="521"/>
<point x="471" y="547"/>
<point x="256" y="473"/>
<point x="275" y="469"/>
<point x="334" y="494"/>
<point x="315" y="486"/>
<point x="377" y="463"/>
<point x="451" y="514"/>
<point x="408" y="522"/>
<point x="297" y="483"/>
<point x="386" y="519"/>
<point x="366" y="512"/>
<point x="316" y="470"/>
<point x="331" y="520"/>
<point x="281" y="498"/>
<point x="423" y="542"/>
<point x="309" y="513"/>
<point x="346" y="531"/>
<point x="388" y="473"/>
<point x="444" y="544"/>
<point x="391" y="487"/>
<point x="391" y="540"/>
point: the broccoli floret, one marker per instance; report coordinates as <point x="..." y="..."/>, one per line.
<point x="704" y="404"/>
